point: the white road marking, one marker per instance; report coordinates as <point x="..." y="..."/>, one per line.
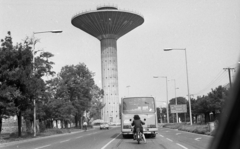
<point x="78" y="137"/>
<point x="182" y="146"/>
<point x="169" y="140"/>
<point x="178" y="133"/>
<point x="110" y="142"/>
<point x="64" y="141"/>
<point x="161" y="135"/>
<point x="42" y="146"/>
<point x="198" y="139"/>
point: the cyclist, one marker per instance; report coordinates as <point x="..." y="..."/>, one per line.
<point x="85" y="125"/>
<point x="137" y="123"/>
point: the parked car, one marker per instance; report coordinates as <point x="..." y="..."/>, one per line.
<point x="104" y="126"/>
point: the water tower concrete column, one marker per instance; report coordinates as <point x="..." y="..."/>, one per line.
<point x="110" y="79"/>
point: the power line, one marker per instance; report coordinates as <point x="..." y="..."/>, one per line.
<point x="217" y="79"/>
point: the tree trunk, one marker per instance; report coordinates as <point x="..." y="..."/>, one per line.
<point x="76" y="121"/>
<point x="0" y="124"/>
<point x="56" y="123"/>
<point x="19" y="117"/>
<point x="206" y="117"/>
<point x="80" y="121"/>
<point x="214" y="116"/>
<point x="62" y="126"/>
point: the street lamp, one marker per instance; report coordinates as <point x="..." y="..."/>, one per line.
<point x="175" y="89"/>
<point x="128" y="89"/>
<point x="166" y="94"/>
<point x="189" y="100"/>
<point x="33" y="53"/>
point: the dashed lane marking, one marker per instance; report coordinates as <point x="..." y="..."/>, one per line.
<point x="42" y="146"/>
<point x="198" y="139"/>
<point x="110" y="142"/>
<point x="178" y="133"/>
<point x="169" y="140"/>
<point x="78" y="137"/>
<point x="182" y="146"/>
<point x="64" y="141"/>
<point x="161" y="135"/>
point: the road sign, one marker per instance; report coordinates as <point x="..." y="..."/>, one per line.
<point x="182" y="108"/>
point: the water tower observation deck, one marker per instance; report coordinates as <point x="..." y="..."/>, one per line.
<point x="107" y="22"/>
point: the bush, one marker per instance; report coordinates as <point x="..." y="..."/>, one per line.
<point x="174" y="126"/>
<point x="42" y="127"/>
<point x="200" y="129"/>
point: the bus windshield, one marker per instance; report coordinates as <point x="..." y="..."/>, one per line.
<point x="138" y="105"/>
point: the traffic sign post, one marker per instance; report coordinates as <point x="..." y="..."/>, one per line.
<point x="180" y="108"/>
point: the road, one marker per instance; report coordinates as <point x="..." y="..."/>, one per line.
<point x="111" y="139"/>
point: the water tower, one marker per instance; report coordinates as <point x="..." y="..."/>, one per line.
<point x="108" y="24"/>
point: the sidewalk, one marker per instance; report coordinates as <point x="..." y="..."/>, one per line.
<point x="5" y="139"/>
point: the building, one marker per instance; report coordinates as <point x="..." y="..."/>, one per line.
<point x="108" y="24"/>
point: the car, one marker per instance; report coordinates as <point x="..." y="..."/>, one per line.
<point x="104" y="126"/>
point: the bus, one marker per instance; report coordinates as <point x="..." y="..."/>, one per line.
<point x="145" y="107"/>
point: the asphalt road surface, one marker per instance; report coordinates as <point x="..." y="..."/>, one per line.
<point x="111" y="139"/>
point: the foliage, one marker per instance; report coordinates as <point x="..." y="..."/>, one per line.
<point x="96" y="103"/>
<point x="69" y="94"/>
<point x="19" y="85"/>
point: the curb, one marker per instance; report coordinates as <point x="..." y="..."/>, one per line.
<point x="39" y="138"/>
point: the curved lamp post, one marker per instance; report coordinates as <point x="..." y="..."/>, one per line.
<point x="189" y="100"/>
<point x="166" y="94"/>
<point x="33" y="52"/>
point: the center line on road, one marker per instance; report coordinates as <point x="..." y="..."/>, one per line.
<point x="78" y="137"/>
<point x="161" y="135"/>
<point x="64" y="141"/>
<point x="110" y="142"/>
<point x="182" y="146"/>
<point x="42" y="146"/>
<point x="169" y="140"/>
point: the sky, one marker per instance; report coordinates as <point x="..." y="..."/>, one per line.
<point x="208" y="29"/>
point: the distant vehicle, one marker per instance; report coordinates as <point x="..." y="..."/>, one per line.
<point x="145" y="107"/>
<point x="104" y="126"/>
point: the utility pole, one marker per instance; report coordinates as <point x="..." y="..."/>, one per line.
<point x="229" y="73"/>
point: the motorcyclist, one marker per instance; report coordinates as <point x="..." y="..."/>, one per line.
<point x="137" y="123"/>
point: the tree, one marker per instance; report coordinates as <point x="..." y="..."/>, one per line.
<point x="96" y="103"/>
<point x="17" y="78"/>
<point x="15" y="71"/>
<point x="75" y="85"/>
<point x="214" y="101"/>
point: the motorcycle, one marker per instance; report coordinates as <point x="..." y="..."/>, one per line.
<point x="138" y="135"/>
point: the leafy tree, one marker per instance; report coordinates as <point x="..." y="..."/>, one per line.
<point x="96" y="103"/>
<point x="212" y="102"/>
<point x="19" y="85"/>
<point x="15" y="71"/>
<point x="75" y="85"/>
